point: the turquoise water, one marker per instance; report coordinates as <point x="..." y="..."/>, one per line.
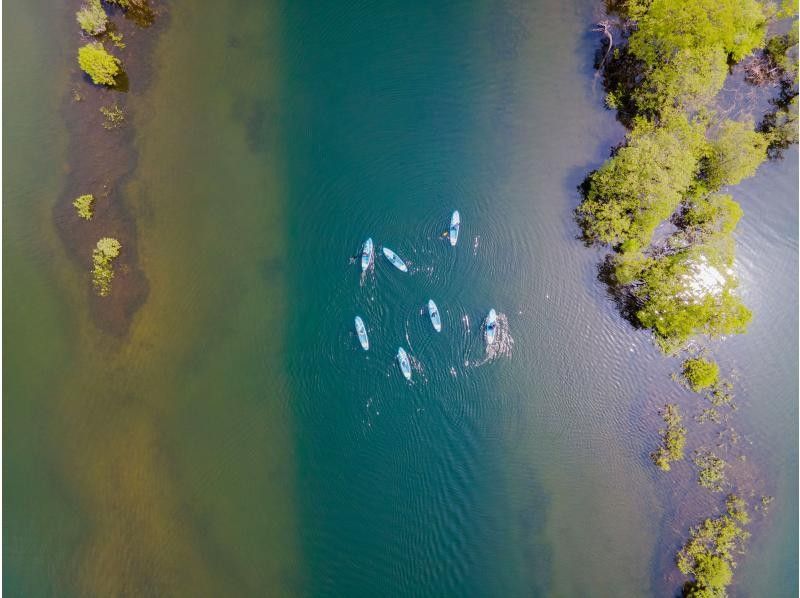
<point x="238" y="441"/>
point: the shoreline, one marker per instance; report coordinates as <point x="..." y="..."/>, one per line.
<point x="677" y="158"/>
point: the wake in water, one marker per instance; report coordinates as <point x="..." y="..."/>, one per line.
<point x="503" y="341"/>
<point x="370" y="270"/>
<point x="417" y="367"/>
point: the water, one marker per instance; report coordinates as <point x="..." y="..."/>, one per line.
<point x="238" y="441"/>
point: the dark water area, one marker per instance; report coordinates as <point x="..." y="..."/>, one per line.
<point x="234" y="439"/>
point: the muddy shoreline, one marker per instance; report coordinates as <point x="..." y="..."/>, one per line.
<point x="100" y="161"/>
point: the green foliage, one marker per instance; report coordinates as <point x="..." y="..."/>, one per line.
<point x="711" y="215"/>
<point x="92" y="17"/>
<point x="711" y="470"/>
<point x="709" y="553"/>
<point x="700" y="373"/>
<point x="735" y="154"/>
<point x="106" y="251"/>
<point x="689" y="81"/>
<point x="612" y="101"/>
<point x="664" y="84"/>
<point x="84" y="206"/>
<point x="632" y="9"/>
<point x="642" y="184"/>
<point x="114" y="116"/>
<point x="674" y="309"/>
<point x="737" y="509"/>
<point x="788" y="9"/>
<point x="138" y="10"/>
<point x="712" y="572"/>
<point x="669" y="26"/>
<point x="781" y="128"/>
<point x="721" y="394"/>
<point x="116" y="39"/>
<point x="781" y="50"/>
<point x="695" y="591"/>
<point x="673" y="438"/>
<point x="101" y="66"/>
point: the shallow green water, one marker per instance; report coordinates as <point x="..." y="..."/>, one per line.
<point x="239" y="442"/>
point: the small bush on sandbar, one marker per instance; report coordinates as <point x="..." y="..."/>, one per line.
<point x="103" y="255"/>
<point x="84" y="206"/>
<point x="92" y="18"/>
<point x="96" y="62"/>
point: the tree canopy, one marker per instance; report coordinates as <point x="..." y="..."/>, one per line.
<point x="92" y="17"/>
<point x="642" y="184"/>
<point x="668" y="26"/>
<point x="735" y="153"/>
<point x="96" y="62"/>
<point x="689" y="81"/>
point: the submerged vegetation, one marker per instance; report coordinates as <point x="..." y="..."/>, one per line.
<point x="84" y="205"/>
<point x="116" y="39"/>
<point x="114" y="116"/>
<point x="673" y="438"/>
<point x="661" y="203"/>
<point x="709" y="554"/>
<point x="96" y="62"/>
<point x="103" y="255"/>
<point x="710" y="470"/>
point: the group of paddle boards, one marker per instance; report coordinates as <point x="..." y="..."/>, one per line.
<point x="368" y="258"/>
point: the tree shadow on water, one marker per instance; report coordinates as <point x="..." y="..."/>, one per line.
<point x="626" y="303"/>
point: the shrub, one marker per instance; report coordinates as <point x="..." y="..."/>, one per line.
<point x="782" y="51"/>
<point x="711" y="215"/>
<point x="92" y="18"/>
<point x="84" y="206"/>
<point x="688" y="81"/>
<point x="642" y="184"/>
<point x="712" y="572"/>
<point x="673" y="438"/>
<point x="735" y="154"/>
<point x="101" y="66"/>
<point x="666" y="27"/>
<point x="709" y="553"/>
<point x="780" y="128"/>
<point x="675" y="302"/>
<point x="116" y="39"/>
<point x="106" y="251"/>
<point x="700" y="373"/>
